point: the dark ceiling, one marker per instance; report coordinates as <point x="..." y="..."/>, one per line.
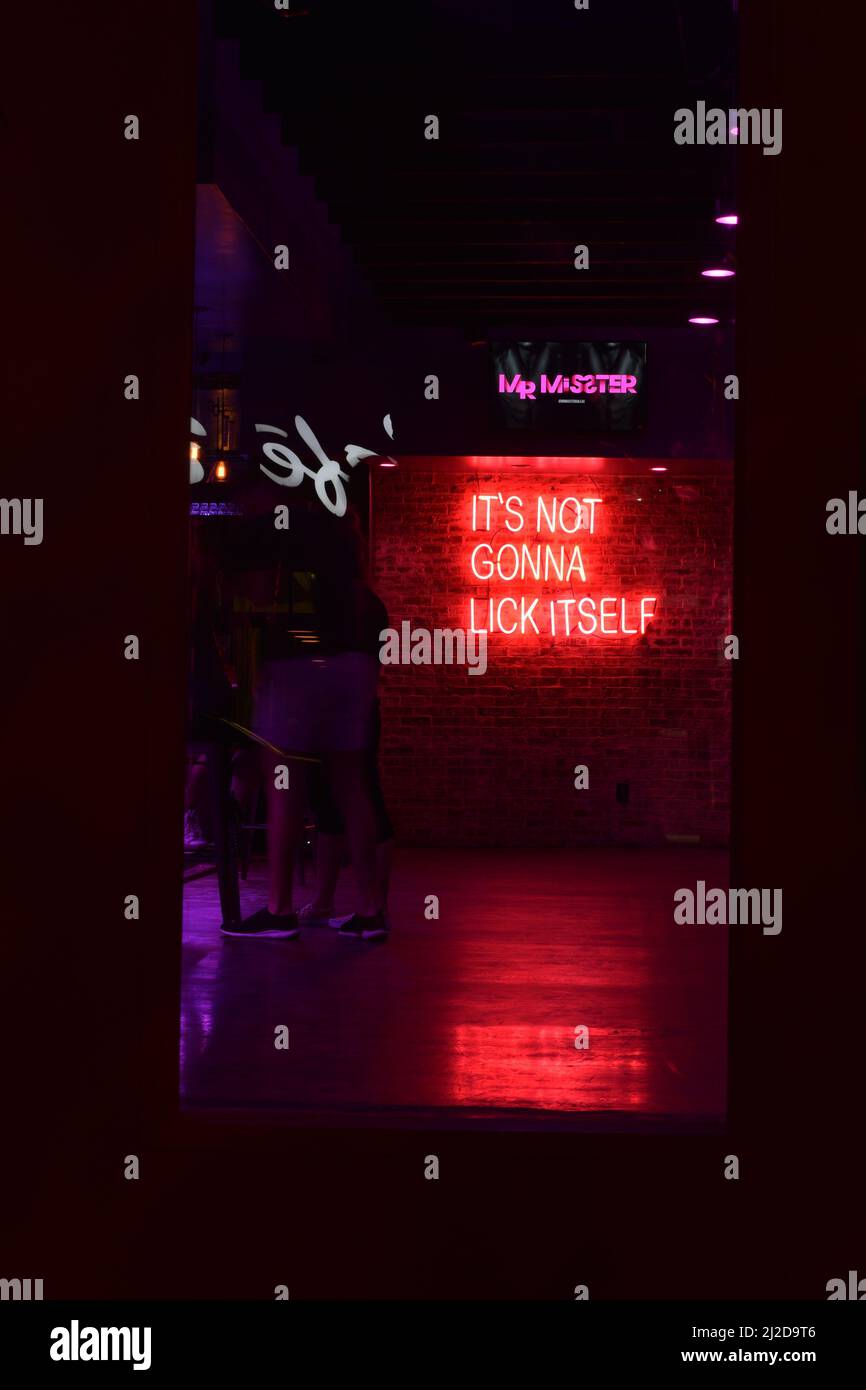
<point x="556" y="129"/>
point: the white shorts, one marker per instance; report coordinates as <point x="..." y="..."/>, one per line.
<point x="318" y="704"/>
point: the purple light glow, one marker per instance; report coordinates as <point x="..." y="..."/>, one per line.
<point x="729" y="219"/>
<point x="717" y="273"/>
<point x="702" y="319"/>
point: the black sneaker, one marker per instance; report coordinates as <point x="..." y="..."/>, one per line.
<point x="364" y="928"/>
<point x="264" y="923"/>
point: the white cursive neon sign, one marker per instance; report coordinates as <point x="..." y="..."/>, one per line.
<point x="328" y="478"/>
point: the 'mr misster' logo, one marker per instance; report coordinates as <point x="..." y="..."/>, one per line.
<point x="581" y="383"/>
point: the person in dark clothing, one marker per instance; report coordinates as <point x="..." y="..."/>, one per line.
<point x="330" y="829"/>
<point x="315" y="702"/>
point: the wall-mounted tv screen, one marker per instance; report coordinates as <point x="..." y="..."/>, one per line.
<point x="570" y="387"/>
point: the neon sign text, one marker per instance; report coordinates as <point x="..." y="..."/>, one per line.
<point x="328" y="478"/>
<point x="551" y="514"/>
<point x="581" y="383"/>
<point x="510" y="563"/>
<point x="499" y="562"/>
<point x="607" y="616"/>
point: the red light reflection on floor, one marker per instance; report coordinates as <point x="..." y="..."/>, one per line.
<point x="539" y="1068"/>
<point x="475" y="1010"/>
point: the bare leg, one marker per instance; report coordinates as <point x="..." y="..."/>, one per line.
<point x="347" y="775"/>
<point x="285" y="827"/>
<point x="198" y="821"/>
<point x="195" y="778"/>
<point x="329" y="861"/>
<point x="246" y="779"/>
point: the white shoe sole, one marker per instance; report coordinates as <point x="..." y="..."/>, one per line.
<point x="337" y="922"/>
<point x="363" y="935"/>
<point x="272" y="934"/>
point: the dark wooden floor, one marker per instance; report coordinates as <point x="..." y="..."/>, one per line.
<point x="478" y="1009"/>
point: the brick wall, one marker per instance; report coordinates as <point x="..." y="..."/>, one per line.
<point x="489" y="759"/>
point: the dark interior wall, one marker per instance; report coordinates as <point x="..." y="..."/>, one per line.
<point x="685" y="382"/>
<point x="312" y="339"/>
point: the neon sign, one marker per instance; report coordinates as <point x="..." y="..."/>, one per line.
<point x="500" y="561"/>
<point x="328" y="478"/>
<point x="581" y="383"/>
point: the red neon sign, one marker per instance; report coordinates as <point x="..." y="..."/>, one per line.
<point x="531" y="546"/>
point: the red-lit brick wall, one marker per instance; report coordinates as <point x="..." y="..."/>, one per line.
<point x="489" y="759"/>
